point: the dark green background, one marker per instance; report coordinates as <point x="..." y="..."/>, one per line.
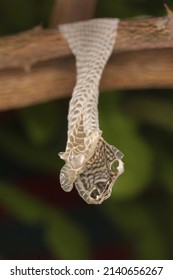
<point x="40" y="221"/>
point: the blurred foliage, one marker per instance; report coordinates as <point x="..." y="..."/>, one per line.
<point x="139" y="123"/>
<point x="40" y="123"/>
<point x="64" y="237"/>
<point x="132" y="8"/>
<point x="142" y="107"/>
<point x="21" y="15"/>
<point x="121" y="129"/>
<point x="36" y="139"/>
<point x="13" y="145"/>
<point x="140" y="221"/>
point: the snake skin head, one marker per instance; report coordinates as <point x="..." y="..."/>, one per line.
<point x="92" y="43"/>
<point x="95" y="183"/>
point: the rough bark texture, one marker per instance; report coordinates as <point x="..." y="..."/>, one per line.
<point x="37" y="65"/>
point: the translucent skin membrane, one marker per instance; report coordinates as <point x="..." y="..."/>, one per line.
<point x="88" y="157"/>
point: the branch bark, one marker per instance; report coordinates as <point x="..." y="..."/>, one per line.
<point x="67" y="11"/>
<point x="37" y="65"/>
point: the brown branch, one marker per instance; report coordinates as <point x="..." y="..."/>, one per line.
<point x="37" y="65"/>
<point x="66" y="11"/>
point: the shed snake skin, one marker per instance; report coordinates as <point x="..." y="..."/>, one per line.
<point x="88" y="157"/>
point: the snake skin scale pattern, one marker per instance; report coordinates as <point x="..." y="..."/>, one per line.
<point x="88" y="157"/>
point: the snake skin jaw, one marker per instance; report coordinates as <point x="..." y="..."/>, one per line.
<point x="96" y="181"/>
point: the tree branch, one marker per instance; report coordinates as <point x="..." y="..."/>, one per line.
<point x="66" y="11"/>
<point x="37" y="65"/>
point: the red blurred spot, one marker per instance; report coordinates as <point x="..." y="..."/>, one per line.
<point x="49" y="190"/>
<point x="113" y="253"/>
